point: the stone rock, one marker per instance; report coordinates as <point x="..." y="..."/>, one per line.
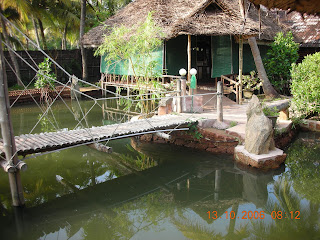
<point x="271" y="160"/>
<point x="259" y="131"/>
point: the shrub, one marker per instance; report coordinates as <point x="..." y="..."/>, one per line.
<point x="45" y="79"/>
<point x="305" y="86"/>
<point x="283" y="52"/>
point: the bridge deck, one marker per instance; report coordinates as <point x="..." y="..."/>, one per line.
<point x="33" y="143"/>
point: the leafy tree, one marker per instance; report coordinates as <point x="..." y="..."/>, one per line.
<point x="283" y="52"/>
<point x="133" y="46"/>
<point x="305" y="86"/>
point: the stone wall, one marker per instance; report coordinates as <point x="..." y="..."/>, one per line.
<point x="212" y="140"/>
<point x="310" y="125"/>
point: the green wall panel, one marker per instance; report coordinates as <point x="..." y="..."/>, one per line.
<point x="176" y="54"/>
<point x="221" y="56"/>
<point x="122" y="67"/>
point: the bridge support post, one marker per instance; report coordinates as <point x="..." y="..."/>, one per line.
<point x="183" y="86"/>
<point x="178" y="101"/>
<point x="219" y="101"/>
<point x="8" y="136"/>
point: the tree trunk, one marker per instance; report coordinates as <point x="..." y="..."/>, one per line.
<point x="268" y="89"/>
<point x="64" y="37"/>
<point x="11" y="53"/>
<point x="83" y="51"/>
<point x="44" y="42"/>
<point x="36" y="31"/>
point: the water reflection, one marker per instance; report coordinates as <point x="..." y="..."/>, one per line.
<point x="158" y="191"/>
<point x="170" y="199"/>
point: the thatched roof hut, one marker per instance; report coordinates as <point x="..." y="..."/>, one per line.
<point x="208" y="29"/>
<point x="189" y="17"/>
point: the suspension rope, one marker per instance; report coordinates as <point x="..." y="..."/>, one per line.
<point x="44" y="53"/>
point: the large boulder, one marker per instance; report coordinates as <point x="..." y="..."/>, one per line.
<point x="259" y="130"/>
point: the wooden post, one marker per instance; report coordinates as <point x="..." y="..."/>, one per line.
<point x="240" y="67"/>
<point x="217" y="183"/>
<point x="189" y="60"/>
<point x="219" y="101"/>
<point x="183" y="93"/>
<point x="178" y="101"/>
<point x="8" y="136"/>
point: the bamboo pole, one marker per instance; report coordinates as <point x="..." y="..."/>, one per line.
<point x="240" y="68"/>
<point x="219" y="101"/>
<point x="8" y="136"/>
<point x="178" y="101"/>
<point x="189" y="60"/>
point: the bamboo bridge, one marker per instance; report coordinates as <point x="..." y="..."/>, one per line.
<point x="42" y="142"/>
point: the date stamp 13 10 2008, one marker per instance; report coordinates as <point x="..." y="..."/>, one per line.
<point x="255" y="215"/>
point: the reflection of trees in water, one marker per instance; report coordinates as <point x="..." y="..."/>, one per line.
<point x="304" y="169"/>
<point x="287" y="200"/>
<point x="138" y="160"/>
<point x="127" y="220"/>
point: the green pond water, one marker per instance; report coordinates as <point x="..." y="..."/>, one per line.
<point x="156" y="191"/>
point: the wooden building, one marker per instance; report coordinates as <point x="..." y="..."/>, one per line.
<point x="212" y="29"/>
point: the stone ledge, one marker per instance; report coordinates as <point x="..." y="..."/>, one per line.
<point x="311" y="125"/>
<point x="265" y="161"/>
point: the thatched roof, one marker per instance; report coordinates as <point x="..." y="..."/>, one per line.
<point x="305" y="28"/>
<point x="178" y="17"/>
<point x="303" y="6"/>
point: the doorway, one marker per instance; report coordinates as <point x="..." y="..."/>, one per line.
<point x="203" y="59"/>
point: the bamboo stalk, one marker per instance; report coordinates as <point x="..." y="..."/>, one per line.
<point x="189" y="60"/>
<point x="240" y="68"/>
<point x="8" y="136"/>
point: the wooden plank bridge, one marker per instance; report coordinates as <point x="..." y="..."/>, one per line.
<point x="42" y="142"/>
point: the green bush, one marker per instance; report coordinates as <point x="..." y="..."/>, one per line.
<point x="283" y="52"/>
<point x="305" y="86"/>
<point x="45" y="79"/>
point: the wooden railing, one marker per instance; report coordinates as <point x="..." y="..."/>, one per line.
<point x="129" y="81"/>
<point x="232" y="85"/>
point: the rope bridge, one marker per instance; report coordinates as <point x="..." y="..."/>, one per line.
<point x="34" y="143"/>
<point x="81" y="134"/>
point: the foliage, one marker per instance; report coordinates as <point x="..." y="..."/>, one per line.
<point x="305" y="86"/>
<point x="134" y="46"/>
<point x="303" y="161"/>
<point x="233" y="124"/>
<point x="193" y="131"/>
<point x="283" y="52"/>
<point x="251" y="82"/>
<point x="45" y="79"/>
<point x="271" y="111"/>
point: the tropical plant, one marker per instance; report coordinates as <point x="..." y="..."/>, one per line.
<point x="251" y="82"/>
<point x="45" y="79"/>
<point x="133" y="46"/>
<point x="268" y="89"/>
<point x="283" y="52"/>
<point x="305" y="86"/>
<point x="271" y="111"/>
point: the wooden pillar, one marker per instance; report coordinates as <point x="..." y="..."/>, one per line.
<point x="183" y="93"/>
<point x="8" y="136"/>
<point x="217" y="183"/>
<point x="240" y="68"/>
<point x="189" y="60"/>
<point x="178" y="101"/>
<point x="219" y="101"/>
